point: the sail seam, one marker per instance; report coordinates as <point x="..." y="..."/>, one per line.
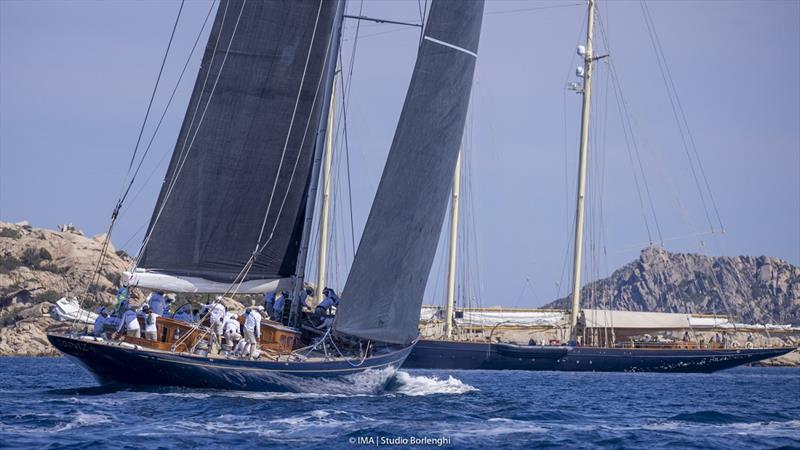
<point x="447" y="44"/>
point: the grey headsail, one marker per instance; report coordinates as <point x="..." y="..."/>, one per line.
<point x="383" y="294"/>
<point x="246" y="145"/>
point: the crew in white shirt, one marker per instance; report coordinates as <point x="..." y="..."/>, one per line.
<point x="216" y="319"/>
<point x="252" y="330"/>
<point x="150" y="329"/>
<point x="231" y="330"/>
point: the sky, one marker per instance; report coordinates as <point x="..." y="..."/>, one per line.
<point x="76" y="76"/>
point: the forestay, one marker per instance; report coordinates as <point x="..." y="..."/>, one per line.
<point x="245" y="148"/>
<point x="383" y="294"/>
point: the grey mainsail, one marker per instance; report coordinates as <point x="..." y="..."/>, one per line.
<point x="384" y="290"/>
<point x="245" y="149"/>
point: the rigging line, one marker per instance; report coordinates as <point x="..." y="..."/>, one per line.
<point x="302" y="143"/>
<point x="347" y="159"/>
<point x="102" y="257"/>
<point x="662" y="70"/>
<point x="260" y="247"/>
<point x="345" y="104"/>
<point x="135" y="233"/>
<point x="202" y="88"/>
<point x="683" y="116"/>
<point x="288" y="136"/>
<point x="628" y="115"/>
<point x="166" y="108"/>
<point x="424" y="22"/>
<point x="155" y="88"/>
<point x="346" y="92"/>
<point x="625" y="133"/>
<point x="194" y="136"/>
<point x="625" y="117"/>
<point x="183" y="154"/>
<point x="536" y="8"/>
<point x="603" y="165"/>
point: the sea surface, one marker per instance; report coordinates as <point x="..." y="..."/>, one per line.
<point x="52" y="403"/>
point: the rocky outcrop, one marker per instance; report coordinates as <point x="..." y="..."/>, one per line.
<point x="749" y="289"/>
<point x="39" y="266"/>
<point x="27" y="336"/>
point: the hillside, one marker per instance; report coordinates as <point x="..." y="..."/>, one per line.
<point x="751" y="289"/>
<point x="39" y="266"/>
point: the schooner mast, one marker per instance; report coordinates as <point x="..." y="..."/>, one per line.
<point x="324" y="219"/>
<point x="451" y="271"/>
<point x="586" y="73"/>
<point x="323" y="132"/>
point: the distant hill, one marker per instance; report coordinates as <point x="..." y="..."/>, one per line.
<point x="751" y="289"/>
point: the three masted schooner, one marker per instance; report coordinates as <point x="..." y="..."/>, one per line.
<point x="450" y="352"/>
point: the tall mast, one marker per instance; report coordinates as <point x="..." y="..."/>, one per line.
<point x="330" y="72"/>
<point x="324" y="222"/>
<point x="451" y="272"/>
<point x="584" y="147"/>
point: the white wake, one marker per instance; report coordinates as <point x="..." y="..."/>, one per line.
<point x="415" y="385"/>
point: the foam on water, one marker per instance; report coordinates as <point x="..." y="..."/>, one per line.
<point x="314" y="422"/>
<point x="81" y="419"/>
<point x="416" y="385"/>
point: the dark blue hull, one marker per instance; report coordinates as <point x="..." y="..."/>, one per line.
<point x="429" y="354"/>
<point x="588" y="359"/>
<point x="114" y="363"/>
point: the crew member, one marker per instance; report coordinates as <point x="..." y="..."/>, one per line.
<point x="157" y="302"/>
<point x="184" y="314"/>
<point x="100" y="322"/>
<point x="331" y="300"/>
<point x="252" y="331"/>
<point x="130" y="323"/>
<point x="168" y="301"/>
<point x="150" y="318"/>
<point x="231" y="330"/>
<point x="304" y="295"/>
<point x="277" y="310"/>
<point x="269" y="303"/>
<point x="216" y="319"/>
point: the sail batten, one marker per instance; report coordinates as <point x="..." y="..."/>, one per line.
<point x="243" y="157"/>
<point x="383" y="294"/>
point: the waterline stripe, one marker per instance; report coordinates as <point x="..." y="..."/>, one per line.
<point x="447" y="44"/>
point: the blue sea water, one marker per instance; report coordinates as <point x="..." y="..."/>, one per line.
<point x="51" y="403"/>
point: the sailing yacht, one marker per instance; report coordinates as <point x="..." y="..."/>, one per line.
<point x="454" y="353"/>
<point x="235" y="210"/>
